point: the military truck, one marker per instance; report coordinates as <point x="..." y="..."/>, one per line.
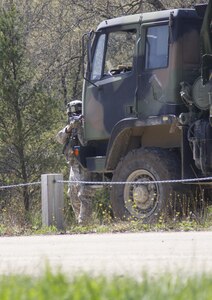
<point x="147" y="106"/>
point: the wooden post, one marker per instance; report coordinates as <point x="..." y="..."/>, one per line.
<point x="52" y="200"/>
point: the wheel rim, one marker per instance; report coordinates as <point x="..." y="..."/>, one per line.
<point x="141" y="199"/>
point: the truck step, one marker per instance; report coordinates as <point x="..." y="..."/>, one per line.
<point x="96" y="163"/>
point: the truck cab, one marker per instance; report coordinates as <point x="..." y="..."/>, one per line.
<point x="137" y="65"/>
<point x="140" y="109"/>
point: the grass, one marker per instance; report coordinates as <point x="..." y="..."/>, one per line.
<point x="111" y="226"/>
<point x="15" y="221"/>
<point x="139" y="227"/>
<point x="83" y="287"/>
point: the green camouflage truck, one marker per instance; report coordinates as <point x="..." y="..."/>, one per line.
<point x="147" y="106"/>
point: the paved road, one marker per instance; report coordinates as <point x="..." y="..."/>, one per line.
<point x="119" y="254"/>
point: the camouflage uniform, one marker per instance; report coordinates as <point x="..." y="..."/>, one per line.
<point x="80" y="194"/>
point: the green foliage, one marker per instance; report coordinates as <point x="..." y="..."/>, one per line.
<point x="83" y="287"/>
<point x="45" y="230"/>
<point x="28" y="114"/>
<point x="102" y="206"/>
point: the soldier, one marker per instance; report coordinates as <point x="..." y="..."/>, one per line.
<point x="71" y="137"/>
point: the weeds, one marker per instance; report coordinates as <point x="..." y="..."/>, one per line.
<point x="198" y="216"/>
<point x="102" y="207"/>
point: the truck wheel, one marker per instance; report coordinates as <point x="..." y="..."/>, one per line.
<point x="145" y="201"/>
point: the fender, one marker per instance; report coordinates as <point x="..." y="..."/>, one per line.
<point x="126" y="135"/>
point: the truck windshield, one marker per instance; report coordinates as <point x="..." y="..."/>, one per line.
<point x="118" y="49"/>
<point x="120" y="52"/>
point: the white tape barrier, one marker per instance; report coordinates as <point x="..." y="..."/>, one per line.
<point x="112" y="183"/>
<point x="135" y="182"/>
<point x="18" y="185"/>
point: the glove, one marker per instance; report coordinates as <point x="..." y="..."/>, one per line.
<point x="68" y="128"/>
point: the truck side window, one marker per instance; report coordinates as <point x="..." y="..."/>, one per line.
<point x="120" y="52"/>
<point x="98" y="58"/>
<point x="156" y="55"/>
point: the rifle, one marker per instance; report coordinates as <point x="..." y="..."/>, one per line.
<point x="72" y="143"/>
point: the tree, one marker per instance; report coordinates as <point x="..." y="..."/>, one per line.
<point x="27" y="114"/>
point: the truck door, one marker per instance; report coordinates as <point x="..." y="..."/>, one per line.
<point x="156" y="90"/>
<point x="110" y="94"/>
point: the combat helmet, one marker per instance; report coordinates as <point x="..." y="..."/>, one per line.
<point x="74" y="107"/>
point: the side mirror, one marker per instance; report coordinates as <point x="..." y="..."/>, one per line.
<point x="86" y="52"/>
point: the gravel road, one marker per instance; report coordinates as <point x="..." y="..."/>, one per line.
<point x="108" y="254"/>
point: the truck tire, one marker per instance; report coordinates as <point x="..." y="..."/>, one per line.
<point x="147" y="202"/>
